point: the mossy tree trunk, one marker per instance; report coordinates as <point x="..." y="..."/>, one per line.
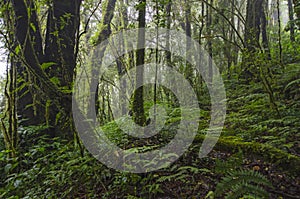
<point x="291" y="18"/>
<point x="138" y="98"/>
<point x="251" y="36"/>
<point x="297" y="10"/>
<point x="46" y="65"/>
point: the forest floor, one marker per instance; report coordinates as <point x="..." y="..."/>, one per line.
<point x="257" y="155"/>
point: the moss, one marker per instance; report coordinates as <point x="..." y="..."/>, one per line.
<point x="96" y="39"/>
<point x="268" y="153"/>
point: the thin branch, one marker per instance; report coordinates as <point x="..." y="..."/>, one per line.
<point x="228" y="21"/>
<point x="85" y="29"/>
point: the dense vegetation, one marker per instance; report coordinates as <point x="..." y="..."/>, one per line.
<point x="48" y="45"/>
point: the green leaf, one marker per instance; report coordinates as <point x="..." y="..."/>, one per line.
<point x="47" y="65"/>
<point x="7" y="168"/>
<point x="55" y="80"/>
<point x="33" y="27"/>
<point x="18" y="49"/>
<point x="297" y="81"/>
<point x="140" y="6"/>
<point x="66" y="89"/>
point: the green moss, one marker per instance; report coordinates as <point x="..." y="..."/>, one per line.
<point x="268" y="153"/>
<point x="96" y="38"/>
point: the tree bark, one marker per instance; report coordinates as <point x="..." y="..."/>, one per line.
<point x="63" y="21"/>
<point x="291" y="18"/>
<point x="264" y="23"/>
<point x="297" y="10"/>
<point x="251" y="36"/>
<point x="138" y="101"/>
<point x="188" y="32"/>
<point x="252" y="26"/>
<point x="103" y="34"/>
<point x="209" y="41"/>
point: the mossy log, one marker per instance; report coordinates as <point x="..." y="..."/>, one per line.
<point x="282" y="159"/>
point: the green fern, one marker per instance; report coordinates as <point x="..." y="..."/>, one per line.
<point x="234" y="162"/>
<point x="243" y="182"/>
<point x="181" y="175"/>
<point x="297" y="81"/>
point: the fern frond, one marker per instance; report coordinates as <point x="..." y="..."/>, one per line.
<point x="250" y="176"/>
<point x="297" y="81"/>
<point x="241" y="182"/>
<point x="246" y="189"/>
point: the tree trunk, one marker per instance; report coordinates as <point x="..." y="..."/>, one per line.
<point x="251" y="36"/>
<point x="168" y="26"/>
<point x="62" y="27"/>
<point x="264" y="23"/>
<point x="297" y="10"/>
<point x="104" y="34"/>
<point x="62" y="23"/>
<point x="188" y="32"/>
<point x="124" y="61"/>
<point x="279" y="32"/>
<point x="274" y="14"/>
<point x="209" y="41"/>
<point x="138" y="101"/>
<point x="291" y="18"/>
<point x="252" y="26"/>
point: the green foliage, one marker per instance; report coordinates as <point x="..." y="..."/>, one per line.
<point x="238" y="182"/>
<point x="182" y="174"/>
<point x="234" y="162"/>
<point x="52" y="167"/>
<point x="140" y="6"/>
<point x="96" y="38"/>
<point x="242" y="183"/>
<point x="47" y="65"/>
<point x="251" y="118"/>
<point x="292" y="83"/>
<point x="291" y="50"/>
<point x="55" y="80"/>
<point x="297" y="11"/>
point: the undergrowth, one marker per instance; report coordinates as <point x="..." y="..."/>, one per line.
<point x="55" y="168"/>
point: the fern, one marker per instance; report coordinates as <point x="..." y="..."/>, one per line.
<point x="232" y="163"/>
<point x="297" y="81"/>
<point x="177" y="176"/>
<point x="242" y="182"/>
<point x="247" y="189"/>
<point x="194" y="170"/>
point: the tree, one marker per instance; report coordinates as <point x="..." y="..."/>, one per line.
<point x="297" y="11"/>
<point x="45" y="63"/>
<point x="255" y="29"/>
<point x="138" y="101"/>
<point x="291" y="23"/>
<point x="188" y="47"/>
<point x="252" y="26"/>
<point x="49" y="67"/>
<point x="209" y="41"/>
